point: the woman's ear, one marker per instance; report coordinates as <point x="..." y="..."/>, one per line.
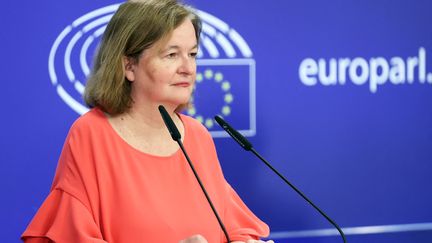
<point x="129" y="67"/>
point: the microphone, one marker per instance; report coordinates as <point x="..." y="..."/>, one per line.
<point x="176" y="136"/>
<point x="169" y="123"/>
<point x="240" y="139"/>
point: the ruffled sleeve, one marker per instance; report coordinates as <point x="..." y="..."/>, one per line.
<point x="62" y="218"/>
<point x="242" y="224"/>
<point x="69" y="213"/>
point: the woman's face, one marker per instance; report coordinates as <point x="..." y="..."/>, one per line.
<point x="165" y="73"/>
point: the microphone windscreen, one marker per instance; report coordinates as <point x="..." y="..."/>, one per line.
<point x="172" y="128"/>
<point x="234" y="133"/>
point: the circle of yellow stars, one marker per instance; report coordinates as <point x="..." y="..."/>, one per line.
<point x="225" y="85"/>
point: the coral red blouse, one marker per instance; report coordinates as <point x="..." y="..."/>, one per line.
<point x="104" y="190"/>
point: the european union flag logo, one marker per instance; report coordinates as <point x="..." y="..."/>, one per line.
<point x="225" y="87"/>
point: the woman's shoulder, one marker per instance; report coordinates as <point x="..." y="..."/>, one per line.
<point x="92" y="118"/>
<point x="196" y="133"/>
<point x="89" y="122"/>
<point x="193" y="124"/>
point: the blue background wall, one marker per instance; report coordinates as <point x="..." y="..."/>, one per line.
<point x="364" y="155"/>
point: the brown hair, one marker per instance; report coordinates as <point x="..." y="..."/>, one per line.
<point x="136" y="26"/>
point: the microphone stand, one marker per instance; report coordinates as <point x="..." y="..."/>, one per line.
<point x="243" y="142"/>
<point x="175" y="134"/>
<point x="204" y="191"/>
<point x="300" y="193"/>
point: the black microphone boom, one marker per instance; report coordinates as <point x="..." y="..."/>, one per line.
<point x="174" y="132"/>
<point x="248" y="147"/>
<point x="176" y="136"/>
<point x="234" y="133"/>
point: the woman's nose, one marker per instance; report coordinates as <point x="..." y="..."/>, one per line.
<point x="188" y="65"/>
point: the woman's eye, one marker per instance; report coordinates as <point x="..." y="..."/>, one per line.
<point x="172" y="55"/>
<point x="193" y="54"/>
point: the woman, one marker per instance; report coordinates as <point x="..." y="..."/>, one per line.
<point x="120" y="177"/>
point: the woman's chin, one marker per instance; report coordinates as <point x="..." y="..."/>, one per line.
<point x="179" y="101"/>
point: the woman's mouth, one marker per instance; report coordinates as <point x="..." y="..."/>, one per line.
<point x="182" y="84"/>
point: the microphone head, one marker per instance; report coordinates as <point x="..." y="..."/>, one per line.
<point x="172" y="128"/>
<point x="240" y="139"/>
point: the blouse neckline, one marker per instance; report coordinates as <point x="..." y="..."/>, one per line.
<point x="117" y="136"/>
